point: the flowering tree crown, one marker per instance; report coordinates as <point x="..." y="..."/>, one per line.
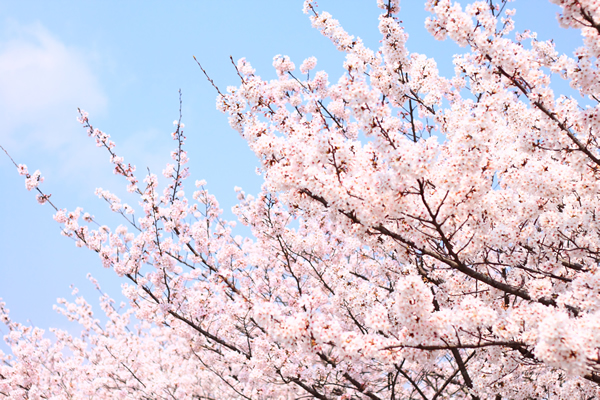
<point x="416" y="236"/>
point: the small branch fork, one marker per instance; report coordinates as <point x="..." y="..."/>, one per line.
<point x="45" y="198"/>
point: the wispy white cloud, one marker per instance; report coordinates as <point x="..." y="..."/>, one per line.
<point x="42" y="82"/>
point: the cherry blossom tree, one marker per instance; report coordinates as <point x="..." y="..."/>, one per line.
<point x="416" y="236"/>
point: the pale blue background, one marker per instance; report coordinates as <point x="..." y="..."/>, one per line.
<point x="124" y="62"/>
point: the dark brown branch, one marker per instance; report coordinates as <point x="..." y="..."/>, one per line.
<point x="361" y="387"/>
<point x="549" y="114"/>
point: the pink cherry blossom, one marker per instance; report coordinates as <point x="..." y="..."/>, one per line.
<point x="416" y="236"/>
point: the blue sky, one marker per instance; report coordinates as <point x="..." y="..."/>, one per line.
<point x="124" y="63"/>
